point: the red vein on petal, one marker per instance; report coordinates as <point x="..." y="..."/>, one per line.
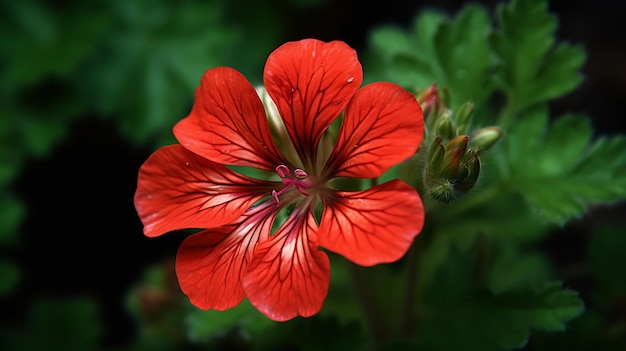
<point x="373" y="226"/>
<point x="228" y="123"/>
<point x="176" y="189"/>
<point x="210" y="264"/>
<point x="311" y="82"/>
<point x="382" y="126"/>
<point x="288" y="276"/>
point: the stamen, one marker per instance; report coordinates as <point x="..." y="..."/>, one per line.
<point x="283" y="171"/>
<point x="275" y="195"/>
<point x="299" y="181"/>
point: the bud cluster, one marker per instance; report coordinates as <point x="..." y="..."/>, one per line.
<point x="452" y="160"/>
<point x="451" y="169"/>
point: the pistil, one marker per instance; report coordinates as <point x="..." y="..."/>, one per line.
<point x="299" y="180"/>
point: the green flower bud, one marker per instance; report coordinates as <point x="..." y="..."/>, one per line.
<point x="451" y="169"/>
<point x="454" y="154"/>
<point x="463" y="116"/>
<point x="470" y="172"/>
<point x="445" y="126"/>
<point x="485" y="138"/>
<point x="436" y="152"/>
<point x="458" y="142"/>
<point x="443" y="192"/>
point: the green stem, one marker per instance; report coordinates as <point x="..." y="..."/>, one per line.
<point x="375" y="324"/>
<point x="410" y="320"/>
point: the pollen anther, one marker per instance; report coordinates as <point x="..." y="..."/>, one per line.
<point x="298" y="179"/>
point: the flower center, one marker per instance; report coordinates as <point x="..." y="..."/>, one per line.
<point x="299" y="179"/>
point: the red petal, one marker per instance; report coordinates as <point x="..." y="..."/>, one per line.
<point x="177" y="189"/>
<point x="228" y="124"/>
<point x="374" y="226"/>
<point x="288" y="275"/>
<point x="210" y="264"/>
<point x="311" y="82"/>
<point x="383" y="125"/>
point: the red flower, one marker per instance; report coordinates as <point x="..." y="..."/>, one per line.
<point x="246" y="249"/>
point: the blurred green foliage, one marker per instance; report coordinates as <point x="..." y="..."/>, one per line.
<point x="70" y="324"/>
<point x="476" y="278"/>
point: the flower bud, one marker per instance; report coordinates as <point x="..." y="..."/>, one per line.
<point x="436" y="152"/>
<point x="486" y="137"/>
<point x="430" y="101"/>
<point x="463" y="116"/>
<point x="458" y="142"/>
<point x="451" y="169"/>
<point x="445" y="126"/>
<point x="454" y="155"/>
<point x="470" y="172"/>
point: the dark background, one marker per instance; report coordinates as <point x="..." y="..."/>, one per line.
<point x="81" y="235"/>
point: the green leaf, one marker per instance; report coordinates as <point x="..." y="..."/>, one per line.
<point x="452" y="52"/>
<point x="463" y="52"/>
<point x="406" y="58"/>
<point x="425" y="27"/>
<point x="559" y="170"/>
<point x="492" y="211"/>
<point x="462" y="314"/>
<point x="532" y="68"/>
<point x="512" y="269"/>
<point x="151" y="61"/>
<point x="597" y="329"/>
<point x="504" y="218"/>
<point x="40" y="42"/>
<point x="391" y="58"/>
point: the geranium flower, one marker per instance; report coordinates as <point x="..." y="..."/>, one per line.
<point x="245" y="249"/>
